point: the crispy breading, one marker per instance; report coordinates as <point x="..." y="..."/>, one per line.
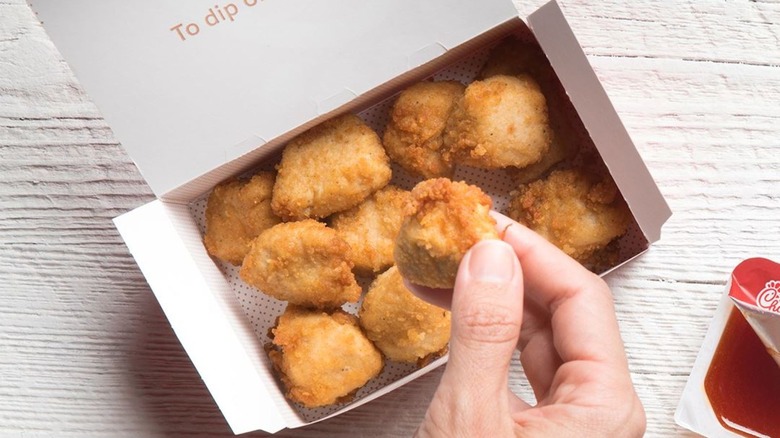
<point x="304" y="263"/>
<point x="404" y="327"/>
<point x="371" y="227"/>
<point x="499" y="122"/>
<point x="513" y="57"/>
<point x="561" y="150"/>
<point x="442" y="221"/>
<point x="329" y="168"/>
<point x="413" y="137"/>
<point x="237" y="211"/>
<point x="577" y="211"/>
<point x="322" y="358"/>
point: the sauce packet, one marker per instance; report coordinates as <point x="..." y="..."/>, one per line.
<point x="734" y="387"/>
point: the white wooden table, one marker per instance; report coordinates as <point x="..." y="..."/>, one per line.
<point x="86" y="351"/>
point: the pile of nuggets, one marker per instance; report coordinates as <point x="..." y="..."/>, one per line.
<point x="301" y="234"/>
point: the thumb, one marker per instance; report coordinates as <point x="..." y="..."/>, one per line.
<point x="487" y="313"/>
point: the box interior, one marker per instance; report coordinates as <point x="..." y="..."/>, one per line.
<point x="261" y="311"/>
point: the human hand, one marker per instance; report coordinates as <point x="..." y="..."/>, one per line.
<point x="525" y="293"/>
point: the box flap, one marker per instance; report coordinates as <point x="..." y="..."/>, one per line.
<point x="188" y="86"/>
<point x="203" y="312"/>
<point x="600" y="118"/>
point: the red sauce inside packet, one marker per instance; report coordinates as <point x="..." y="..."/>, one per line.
<point x="743" y="381"/>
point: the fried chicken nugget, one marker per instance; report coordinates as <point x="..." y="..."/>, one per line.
<point x="514" y="57"/>
<point x="404" y="327"/>
<point x="237" y="211"/>
<point x="579" y="212"/>
<point x="331" y="167"/>
<point x="304" y="263"/>
<point x="560" y="151"/>
<point x="322" y="358"/>
<point x="413" y="137"/>
<point x="442" y="221"/>
<point x="371" y="227"/>
<point x="499" y="122"/>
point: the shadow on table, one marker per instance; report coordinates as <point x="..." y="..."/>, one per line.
<point x="175" y="401"/>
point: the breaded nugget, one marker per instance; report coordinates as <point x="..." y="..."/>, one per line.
<point x="322" y="358"/>
<point x="514" y="57"/>
<point x="499" y="122"/>
<point x="371" y="227"/>
<point x="404" y="327"/>
<point x="561" y="150"/>
<point x="579" y="212"/>
<point x="442" y="221"/>
<point x="413" y="137"/>
<point x="304" y="263"/>
<point x="331" y="167"/>
<point x="237" y="211"/>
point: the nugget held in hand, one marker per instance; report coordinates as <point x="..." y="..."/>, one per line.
<point x="413" y="137"/>
<point x="442" y="221"/>
<point x="237" y="211"/>
<point x="371" y="227"/>
<point x="304" y="263"/>
<point x="579" y="212"/>
<point x="331" y="167"/>
<point x="322" y="358"/>
<point x="404" y="327"/>
<point x="499" y="122"/>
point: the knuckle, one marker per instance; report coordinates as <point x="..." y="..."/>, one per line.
<point x="488" y="324"/>
<point x="627" y="416"/>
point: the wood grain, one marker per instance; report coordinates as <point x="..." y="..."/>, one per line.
<point x="86" y="351"/>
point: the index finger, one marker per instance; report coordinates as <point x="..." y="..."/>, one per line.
<point x="584" y="323"/>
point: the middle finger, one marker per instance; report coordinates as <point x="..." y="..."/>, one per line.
<point x="538" y="356"/>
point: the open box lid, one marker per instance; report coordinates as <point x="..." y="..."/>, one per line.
<point x="189" y="86"/>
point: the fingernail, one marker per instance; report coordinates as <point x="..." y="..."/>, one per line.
<point x="492" y="260"/>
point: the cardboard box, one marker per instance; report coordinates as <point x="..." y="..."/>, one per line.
<point x="199" y="92"/>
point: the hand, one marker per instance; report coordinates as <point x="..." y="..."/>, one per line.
<point x="525" y="293"/>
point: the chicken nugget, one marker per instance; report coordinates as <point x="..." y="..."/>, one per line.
<point x="413" y="137"/>
<point x="499" y="122"/>
<point x="371" y="227"/>
<point x="331" y="167"/>
<point x="322" y="358"/>
<point x="579" y="212"/>
<point x="304" y="263"/>
<point x="442" y="221"/>
<point x="404" y="327"/>
<point x="237" y="211"/>
<point x="561" y="149"/>
<point x="514" y="57"/>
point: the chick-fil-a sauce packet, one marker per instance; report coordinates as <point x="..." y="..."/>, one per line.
<point x="755" y="289"/>
<point x="734" y="387"/>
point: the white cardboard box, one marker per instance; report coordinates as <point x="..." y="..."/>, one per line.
<point x="198" y="92"/>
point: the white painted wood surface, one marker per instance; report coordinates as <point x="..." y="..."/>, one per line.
<point x="86" y="351"/>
